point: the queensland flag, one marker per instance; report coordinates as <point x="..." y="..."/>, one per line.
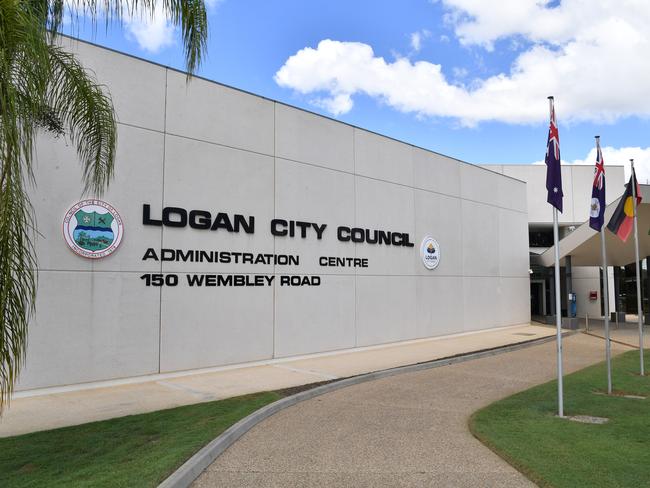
<point x="553" y="168"/>
<point x="597" y="209"/>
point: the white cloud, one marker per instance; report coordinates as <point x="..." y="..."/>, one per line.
<point x="155" y="32"/>
<point x="336" y="105"/>
<point x="479" y="22"/>
<point x="417" y="38"/>
<point x="592" y="55"/>
<point x="621" y="157"/>
<point x="459" y="72"/>
<point x="151" y="32"/>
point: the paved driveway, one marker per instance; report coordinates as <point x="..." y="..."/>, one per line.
<point x="406" y="430"/>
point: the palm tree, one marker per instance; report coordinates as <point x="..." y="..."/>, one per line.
<point x="44" y="87"/>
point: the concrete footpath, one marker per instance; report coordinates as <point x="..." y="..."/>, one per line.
<point x="405" y="430"/>
<point x="60" y="407"/>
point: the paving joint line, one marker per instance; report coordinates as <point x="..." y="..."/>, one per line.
<point x="189" y="471"/>
<point x="322" y="375"/>
<point x="610" y="340"/>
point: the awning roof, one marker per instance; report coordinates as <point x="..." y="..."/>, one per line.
<point x="583" y="244"/>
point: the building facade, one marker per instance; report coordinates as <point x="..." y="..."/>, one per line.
<point x="250" y="231"/>
<point x="577" y="181"/>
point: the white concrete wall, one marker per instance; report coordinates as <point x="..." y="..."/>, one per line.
<point x="586" y="279"/>
<point x="577" y="181"/>
<point x="206" y="146"/>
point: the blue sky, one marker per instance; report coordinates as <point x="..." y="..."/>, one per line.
<point x="461" y="78"/>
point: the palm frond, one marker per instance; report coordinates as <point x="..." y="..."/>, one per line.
<point x="190" y="16"/>
<point x="87" y="113"/>
<point x="42" y="85"/>
<point x="17" y="278"/>
<point x="23" y="80"/>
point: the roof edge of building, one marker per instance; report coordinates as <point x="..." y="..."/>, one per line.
<point x="476" y="165"/>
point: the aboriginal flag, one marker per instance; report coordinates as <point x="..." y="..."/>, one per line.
<point x="622" y="220"/>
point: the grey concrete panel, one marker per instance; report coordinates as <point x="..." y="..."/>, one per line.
<point x="215" y="326"/>
<point x="382" y="158"/>
<point x="215" y="113"/>
<point x="577" y="183"/>
<point x="514" y="300"/>
<point x="479" y="185"/>
<point x="436" y="172"/>
<point x="513" y="244"/>
<point x="586" y="279"/>
<point x="104" y="326"/>
<point x="137" y="88"/>
<point x="438" y="216"/>
<point x="480" y="239"/>
<point x="582" y="178"/>
<point x="615" y="176"/>
<point x="535" y="176"/>
<point x="59" y="186"/>
<point x="512" y="194"/>
<point x="386" y="309"/>
<point x="439" y="305"/>
<point x="493" y="167"/>
<point x="315" y="319"/>
<point x="482" y="302"/>
<point x="305" y="137"/>
<point x="319" y="195"/>
<point x="388" y="207"/>
<point x="585" y="306"/>
<point x="210" y="177"/>
<point x="138" y="178"/>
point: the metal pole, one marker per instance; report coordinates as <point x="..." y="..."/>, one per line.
<point x="608" y="344"/>
<point x="638" y="272"/>
<point x="558" y="318"/>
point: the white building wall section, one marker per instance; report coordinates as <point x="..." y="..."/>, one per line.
<point x="577" y="181"/>
<point x="586" y="279"/>
<point x="207" y="146"/>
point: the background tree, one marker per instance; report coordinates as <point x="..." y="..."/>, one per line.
<point x="44" y="87"/>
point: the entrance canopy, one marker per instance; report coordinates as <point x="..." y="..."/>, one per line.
<point x="583" y="244"/>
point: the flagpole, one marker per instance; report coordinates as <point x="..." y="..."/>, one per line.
<point x="558" y="318"/>
<point x="638" y="271"/>
<point x="608" y="343"/>
<point x="558" y="303"/>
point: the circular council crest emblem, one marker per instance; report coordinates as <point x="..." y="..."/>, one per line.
<point x="93" y="229"/>
<point x="430" y="252"/>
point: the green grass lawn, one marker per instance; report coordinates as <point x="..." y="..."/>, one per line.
<point x="138" y="450"/>
<point x="557" y="452"/>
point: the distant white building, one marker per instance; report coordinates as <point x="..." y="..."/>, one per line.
<point x="577" y="181"/>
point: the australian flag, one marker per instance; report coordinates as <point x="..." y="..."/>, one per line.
<point x="597" y="208"/>
<point x="553" y="168"/>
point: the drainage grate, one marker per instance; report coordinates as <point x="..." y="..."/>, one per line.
<point x="523" y="333"/>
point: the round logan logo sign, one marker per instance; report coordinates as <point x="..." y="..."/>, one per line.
<point x="93" y="229"/>
<point x="430" y="252"/>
